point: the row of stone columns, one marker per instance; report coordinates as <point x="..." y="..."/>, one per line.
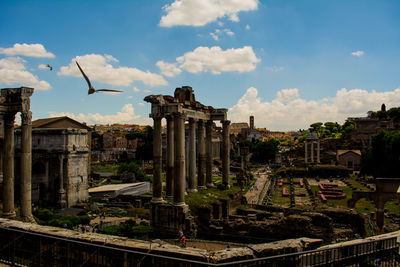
<point x="175" y="160"/>
<point x="26" y="166"/>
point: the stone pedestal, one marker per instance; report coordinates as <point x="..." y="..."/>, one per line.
<point x="8" y="167"/>
<point x="202" y="155"/>
<point x="168" y="219"/>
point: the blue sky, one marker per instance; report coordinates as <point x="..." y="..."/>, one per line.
<point x="288" y="63"/>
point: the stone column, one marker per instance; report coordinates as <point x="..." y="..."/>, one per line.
<point x="318" y="160"/>
<point x="306" y="152"/>
<point x="192" y="156"/>
<point x="225" y="152"/>
<point x="26" y="167"/>
<point x="170" y="156"/>
<point x="209" y="156"/>
<point x="61" y="192"/>
<point x="179" y="179"/>
<point x="157" y="157"/>
<point x="201" y="148"/>
<point x="312" y="151"/>
<point x="8" y="166"/>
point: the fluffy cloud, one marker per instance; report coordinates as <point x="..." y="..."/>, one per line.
<point x="28" y="50"/>
<point x="199" y="13"/>
<point x="215" y="35"/>
<point x="168" y="69"/>
<point x="357" y="53"/>
<point x="216" y="60"/>
<point x="126" y="115"/>
<point x="98" y="68"/>
<point x="247" y="27"/>
<point x="13" y="71"/>
<point x="288" y="111"/>
<point x="136" y="90"/>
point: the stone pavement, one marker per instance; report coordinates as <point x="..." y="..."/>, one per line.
<point x="261" y="176"/>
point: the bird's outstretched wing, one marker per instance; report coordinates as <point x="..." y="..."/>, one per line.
<point x="84" y="75"/>
<point x="109" y="90"/>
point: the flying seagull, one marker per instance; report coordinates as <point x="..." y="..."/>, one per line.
<point x="50" y="67"/>
<point x="91" y="89"/>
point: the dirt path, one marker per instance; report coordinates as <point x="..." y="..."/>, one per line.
<point x="254" y="192"/>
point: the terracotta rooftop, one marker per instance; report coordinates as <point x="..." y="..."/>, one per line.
<point x="54" y="123"/>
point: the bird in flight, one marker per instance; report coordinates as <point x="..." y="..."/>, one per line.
<point x="91" y="89"/>
<point x="50" y="67"/>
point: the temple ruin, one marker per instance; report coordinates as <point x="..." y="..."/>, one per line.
<point x="12" y="101"/>
<point x="176" y="110"/>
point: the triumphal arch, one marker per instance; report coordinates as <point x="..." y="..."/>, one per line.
<point x="177" y="110"/>
<point x="12" y="101"/>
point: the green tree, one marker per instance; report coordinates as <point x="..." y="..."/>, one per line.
<point x="383" y="158"/>
<point x="131" y="172"/>
<point x="265" y="151"/>
<point x="315" y="127"/>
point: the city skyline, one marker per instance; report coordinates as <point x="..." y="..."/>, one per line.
<point x="288" y="63"/>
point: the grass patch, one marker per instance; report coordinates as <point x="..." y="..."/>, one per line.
<point x="206" y="196"/>
<point x="105" y="168"/>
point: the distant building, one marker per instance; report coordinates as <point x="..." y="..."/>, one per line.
<point x="349" y="158"/>
<point x="60" y="160"/>
<point x="237" y="127"/>
<point x="312" y="149"/>
<point x="251" y="122"/>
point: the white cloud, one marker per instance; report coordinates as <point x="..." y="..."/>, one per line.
<point x="286" y="95"/>
<point x="216" y="60"/>
<point x="220" y="23"/>
<point x="13" y="71"/>
<point x="247" y="27"/>
<point x="357" y="53"/>
<point x="141" y="104"/>
<point x="129" y="97"/>
<point x="215" y="35"/>
<point x="136" y="90"/>
<point x="98" y="68"/>
<point x="146" y="91"/>
<point x="29" y="50"/>
<point x="126" y="115"/>
<point x="168" y="69"/>
<point x="200" y="13"/>
<point x="288" y="111"/>
<point x="276" y="68"/>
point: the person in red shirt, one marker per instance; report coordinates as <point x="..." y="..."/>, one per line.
<point x="182" y="238"/>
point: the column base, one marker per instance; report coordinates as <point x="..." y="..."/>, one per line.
<point x="193" y="190"/>
<point x="28" y="219"/>
<point x="210" y="185"/>
<point x="157" y="200"/>
<point x="9" y="215"/>
<point x="180" y="204"/>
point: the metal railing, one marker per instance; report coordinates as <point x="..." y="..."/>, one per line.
<point x="23" y="248"/>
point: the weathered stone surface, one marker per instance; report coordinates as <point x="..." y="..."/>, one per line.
<point x="285" y="246"/>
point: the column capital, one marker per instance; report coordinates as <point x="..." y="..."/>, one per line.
<point x="226" y="122"/>
<point x="26" y="118"/>
<point x="192" y="120"/>
<point x="179" y="115"/>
